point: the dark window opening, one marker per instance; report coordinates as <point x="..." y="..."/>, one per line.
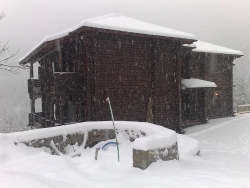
<point x="216" y="99"/>
<point x="169" y="107"/>
<point x="192" y="68"/>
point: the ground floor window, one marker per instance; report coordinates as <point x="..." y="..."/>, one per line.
<point x="216" y="99"/>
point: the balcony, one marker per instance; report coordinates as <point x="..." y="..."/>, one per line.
<point x="38" y="120"/>
<point x="34" y="88"/>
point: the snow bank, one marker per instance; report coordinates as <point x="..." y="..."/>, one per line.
<point x="187" y="145"/>
<point x="225" y="163"/>
<point x="212" y="48"/>
<point x="119" y="23"/>
<point x="197" y="83"/>
<point x="151" y="142"/>
<point x="149" y="129"/>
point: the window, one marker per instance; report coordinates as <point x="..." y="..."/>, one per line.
<point x="168" y="106"/>
<point x="216" y="99"/>
<point x="192" y="67"/>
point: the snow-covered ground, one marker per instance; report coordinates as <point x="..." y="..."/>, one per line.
<point x="224" y="162"/>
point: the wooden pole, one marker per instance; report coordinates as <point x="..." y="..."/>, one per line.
<point x="61" y="111"/>
<point x="51" y="111"/>
<point x="59" y="54"/>
<point x="32" y="105"/>
<point x="179" y="67"/>
<point x="31" y="71"/>
<point x="96" y="153"/>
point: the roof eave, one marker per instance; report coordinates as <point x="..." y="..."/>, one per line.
<point x="204" y="52"/>
<point x="28" y="58"/>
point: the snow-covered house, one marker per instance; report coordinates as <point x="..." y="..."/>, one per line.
<point x="143" y="68"/>
<point x="203" y="100"/>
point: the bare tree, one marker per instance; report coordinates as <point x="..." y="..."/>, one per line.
<point x="4" y="49"/>
<point x="241" y="91"/>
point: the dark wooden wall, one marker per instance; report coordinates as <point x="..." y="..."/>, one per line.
<point x="131" y="68"/>
<point x="222" y="75"/>
<point x="167" y="81"/>
<point x="218" y="69"/>
<point x="137" y="72"/>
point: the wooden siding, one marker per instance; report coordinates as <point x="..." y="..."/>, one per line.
<point x="130" y="69"/>
<point x="139" y="73"/>
<point x="218" y="69"/>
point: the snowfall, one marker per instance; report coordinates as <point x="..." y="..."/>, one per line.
<point x="224" y="161"/>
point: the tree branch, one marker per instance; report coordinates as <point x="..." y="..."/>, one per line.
<point x="2" y="15"/>
<point x="4" y="65"/>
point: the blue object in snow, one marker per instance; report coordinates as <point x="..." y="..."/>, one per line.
<point x="109" y="143"/>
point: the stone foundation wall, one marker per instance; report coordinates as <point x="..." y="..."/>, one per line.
<point x="92" y="138"/>
<point x="142" y="159"/>
<point x="62" y="141"/>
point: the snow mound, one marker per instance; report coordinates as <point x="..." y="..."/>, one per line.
<point x="122" y="126"/>
<point x="151" y="142"/>
<point x="225" y="162"/>
<point x="187" y="145"/>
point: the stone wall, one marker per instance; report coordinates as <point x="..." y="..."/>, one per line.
<point x="62" y="141"/>
<point x="93" y="137"/>
<point x="142" y="159"/>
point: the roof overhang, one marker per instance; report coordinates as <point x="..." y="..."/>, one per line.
<point x="112" y="22"/>
<point x="196" y="83"/>
<point x="205" y="47"/>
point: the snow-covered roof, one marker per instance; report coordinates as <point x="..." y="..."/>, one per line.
<point x="197" y="83"/>
<point x="119" y="23"/>
<point x="202" y="46"/>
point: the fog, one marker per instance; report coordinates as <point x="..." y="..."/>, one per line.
<point x="27" y="22"/>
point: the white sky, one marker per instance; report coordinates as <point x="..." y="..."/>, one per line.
<point x="222" y="22"/>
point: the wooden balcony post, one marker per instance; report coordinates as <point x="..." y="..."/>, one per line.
<point x="179" y="67"/>
<point x="61" y="114"/>
<point x="80" y="112"/>
<point x="31" y="120"/>
<point x="61" y="111"/>
<point x="51" y="110"/>
<point x="60" y="55"/>
<point x="31" y="71"/>
<point x="32" y="105"/>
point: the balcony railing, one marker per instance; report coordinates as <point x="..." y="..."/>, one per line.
<point x="38" y="120"/>
<point x="243" y="108"/>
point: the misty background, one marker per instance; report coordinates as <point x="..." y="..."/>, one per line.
<point x="27" y="22"/>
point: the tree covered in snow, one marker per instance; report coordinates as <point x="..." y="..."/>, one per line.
<point x="242" y="78"/>
<point x="241" y="91"/>
<point x="14" y="104"/>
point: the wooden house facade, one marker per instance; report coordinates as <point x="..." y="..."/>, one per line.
<point x="213" y="63"/>
<point x="139" y="69"/>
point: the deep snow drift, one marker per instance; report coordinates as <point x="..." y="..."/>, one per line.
<point x="224" y="162"/>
